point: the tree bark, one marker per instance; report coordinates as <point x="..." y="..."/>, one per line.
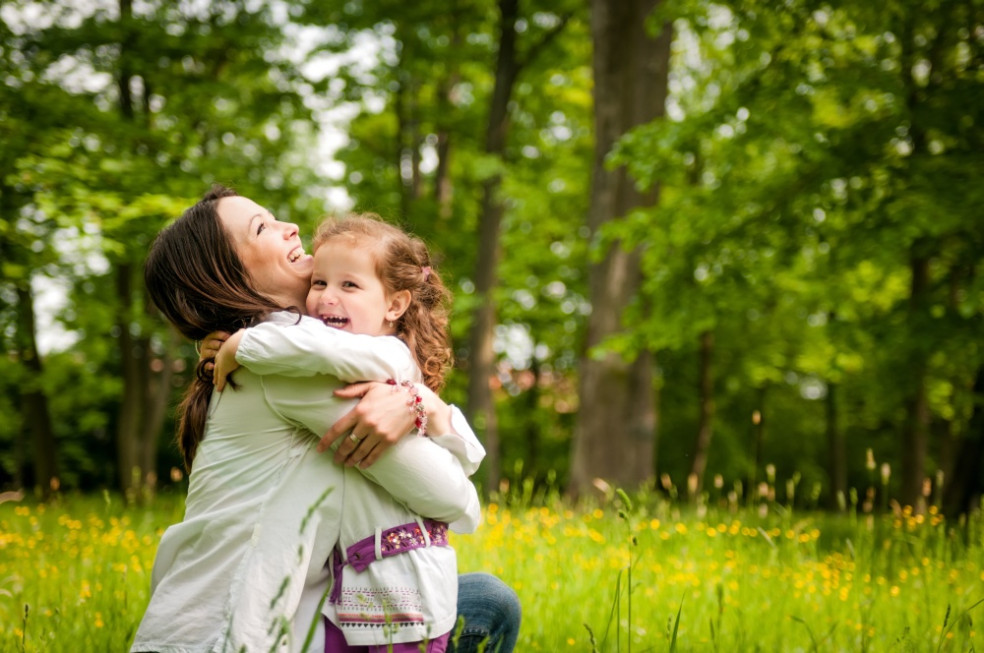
<point x="615" y="437"/>
<point x="966" y="483"/>
<point x="705" y="394"/>
<point x="443" y="185"/>
<point x="133" y="369"/>
<point x="481" y="371"/>
<point x="836" y="450"/>
<point x="34" y="402"/>
<point x="916" y="427"/>
<point x="758" y="439"/>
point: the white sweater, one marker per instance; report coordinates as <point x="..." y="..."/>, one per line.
<point x="245" y="569"/>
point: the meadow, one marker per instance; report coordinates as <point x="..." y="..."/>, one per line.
<point x="639" y="574"/>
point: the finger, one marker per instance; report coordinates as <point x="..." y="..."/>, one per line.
<point x="348" y="451"/>
<point x="374" y="455"/>
<point x="220" y="382"/>
<point x="362" y="453"/>
<point x="344" y="424"/>
<point x="347" y="447"/>
<point x="353" y="391"/>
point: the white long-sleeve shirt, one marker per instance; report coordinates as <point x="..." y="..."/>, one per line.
<point x="245" y="569"/>
<point x="306" y="347"/>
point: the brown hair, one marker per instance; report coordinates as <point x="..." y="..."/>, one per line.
<point x="403" y="263"/>
<point x="197" y="280"/>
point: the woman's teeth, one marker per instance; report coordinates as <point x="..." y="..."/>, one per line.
<point x="295" y="254"/>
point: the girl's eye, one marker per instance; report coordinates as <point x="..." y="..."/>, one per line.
<point x="349" y="284"/>
<point x="317" y="283"/>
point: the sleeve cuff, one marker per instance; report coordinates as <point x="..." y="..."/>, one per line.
<point x="462" y="442"/>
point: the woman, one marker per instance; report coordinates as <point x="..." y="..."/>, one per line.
<point x="246" y="568"/>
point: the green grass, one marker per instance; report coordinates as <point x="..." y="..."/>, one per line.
<point x="657" y="576"/>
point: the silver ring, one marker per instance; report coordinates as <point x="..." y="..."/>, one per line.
<point x="354" y="438"/>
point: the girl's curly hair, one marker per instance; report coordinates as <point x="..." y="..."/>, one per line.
<point x="402" y="262"/>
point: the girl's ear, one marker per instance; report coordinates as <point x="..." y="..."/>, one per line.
<point x="399" y="302"/>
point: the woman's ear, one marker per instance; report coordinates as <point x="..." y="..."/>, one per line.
<point x="398" y="304"/>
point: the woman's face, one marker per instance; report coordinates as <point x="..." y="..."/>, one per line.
<point x="270" y="250"/>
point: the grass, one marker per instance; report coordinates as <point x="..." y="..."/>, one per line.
<point x="624" y="575"/>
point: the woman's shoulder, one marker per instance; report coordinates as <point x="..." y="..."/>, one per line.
<point x="286" y="318"/>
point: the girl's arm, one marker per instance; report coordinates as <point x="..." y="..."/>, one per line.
<point x="382" y="416"/>
<point x="284" y="345"/>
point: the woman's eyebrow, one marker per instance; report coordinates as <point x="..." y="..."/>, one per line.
<point x="249" y="226"/>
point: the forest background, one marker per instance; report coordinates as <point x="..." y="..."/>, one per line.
<point x="691" y="243"/>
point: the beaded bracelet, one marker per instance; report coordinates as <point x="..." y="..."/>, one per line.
<point x="415" y="403"/>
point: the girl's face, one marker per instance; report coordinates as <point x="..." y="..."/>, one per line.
<point x="345" y="292"/>
<point x="270" y="250"/>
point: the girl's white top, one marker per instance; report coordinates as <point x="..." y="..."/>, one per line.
<point x="250" y="563"/>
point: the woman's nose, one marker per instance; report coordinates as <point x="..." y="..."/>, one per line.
<point x="290" y="230"/>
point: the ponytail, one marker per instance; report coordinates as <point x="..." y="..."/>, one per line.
<point x="194" y="411"/>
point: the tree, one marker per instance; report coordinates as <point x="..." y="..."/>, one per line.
<point x="442" y="104"/>
<point x="818" y="140"/>
<point x="615" y="434"/>
<point x="164" y="100"/>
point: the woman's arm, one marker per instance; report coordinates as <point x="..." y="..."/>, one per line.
<point x="417" y="472"/>
<point x="284" y="345"/>
<point x="371" y="421"/>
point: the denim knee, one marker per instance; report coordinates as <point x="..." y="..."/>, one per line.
<point x="491" y="613"/>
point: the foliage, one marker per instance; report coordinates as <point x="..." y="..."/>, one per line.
<point x="812" y="152"/>
<point x="141" y="109"/>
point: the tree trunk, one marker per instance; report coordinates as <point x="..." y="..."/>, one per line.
<point x="966" y="483"/>
<point x="916" y="426"/>
<point x="836" y="451"/>
<point x="705" y="394"/>
<point x="161" y="375"/>
<point x="758" y="439"/>
<point x="400" y="106"/>
<point x="614" y="438"/>
<point x="481" y="371"/>
<point x="133" y="367"/>
<point x="34" y="402"/>
<point x="531" y="406"/>
<point x="443" y="185"/>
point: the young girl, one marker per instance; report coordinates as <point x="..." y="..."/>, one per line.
<point x="375" y="297"/>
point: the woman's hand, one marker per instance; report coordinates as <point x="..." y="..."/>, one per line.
<point x="379" y="420"/>
<point x="438" y="412"/>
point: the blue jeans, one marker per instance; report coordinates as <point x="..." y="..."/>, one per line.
<point x="492" y="613"/>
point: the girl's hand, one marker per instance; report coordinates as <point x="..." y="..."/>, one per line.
<point x="377" y="422"/>
<point x="225" y="360"/>
<point x="208" y="349"/>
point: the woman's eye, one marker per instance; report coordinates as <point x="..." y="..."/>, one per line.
<point x="259" y="228"/>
